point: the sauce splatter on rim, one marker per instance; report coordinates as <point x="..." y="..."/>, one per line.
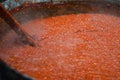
<point x="72" y="47"/>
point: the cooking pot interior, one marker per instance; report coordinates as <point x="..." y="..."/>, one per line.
<point x="32" y="11"/>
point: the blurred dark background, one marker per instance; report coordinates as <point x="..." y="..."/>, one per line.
<point x="2" y="0"/>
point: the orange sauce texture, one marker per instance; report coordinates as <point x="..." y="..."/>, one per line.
<point x="72" y="47"/>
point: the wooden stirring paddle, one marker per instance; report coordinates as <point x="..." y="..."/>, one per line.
<point x="14" y="24"/>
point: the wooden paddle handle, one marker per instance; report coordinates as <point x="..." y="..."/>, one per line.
<point x="13" y="23"/>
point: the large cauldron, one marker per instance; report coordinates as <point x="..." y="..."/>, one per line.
<point x="31" y="11"/>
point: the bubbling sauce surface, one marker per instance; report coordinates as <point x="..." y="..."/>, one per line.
<point x="72" y="47"/>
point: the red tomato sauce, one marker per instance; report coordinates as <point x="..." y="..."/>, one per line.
<point x="72" y="47"/>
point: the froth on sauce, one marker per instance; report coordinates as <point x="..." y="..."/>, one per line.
<point x="72" y="47"/>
